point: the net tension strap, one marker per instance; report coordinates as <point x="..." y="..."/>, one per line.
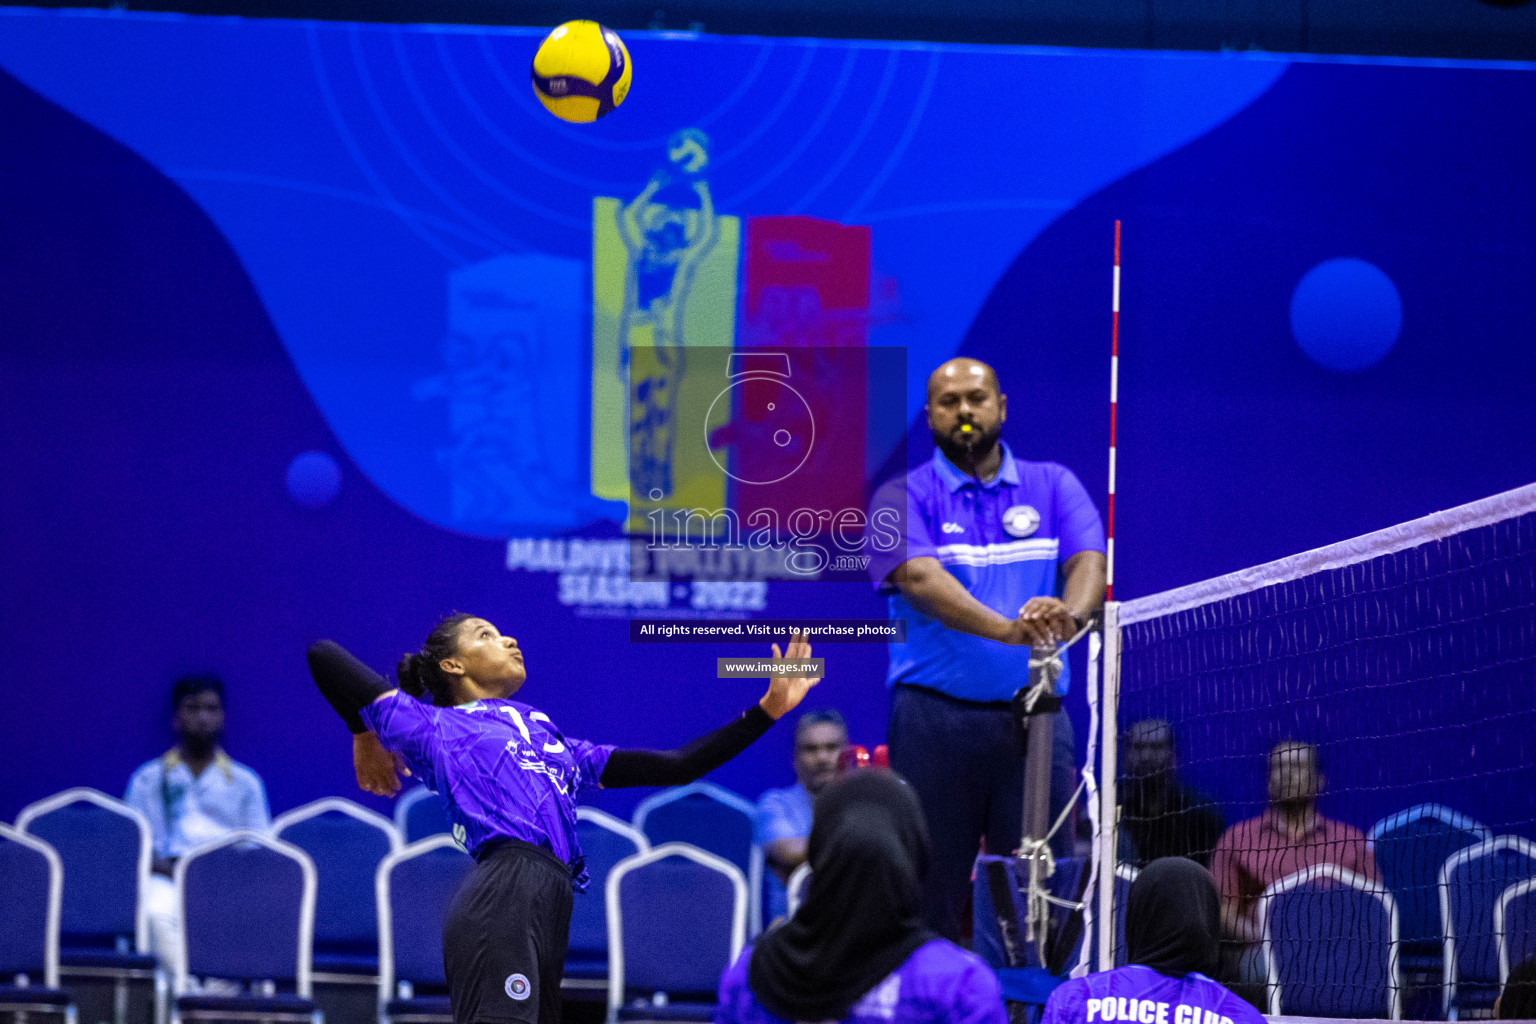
<point x="1033" y="704"/>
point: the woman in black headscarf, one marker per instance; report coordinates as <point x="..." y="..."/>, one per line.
<point x="1172" y="936"/>
<point x="857" y="948"/>
<point x="1173" y="919"/>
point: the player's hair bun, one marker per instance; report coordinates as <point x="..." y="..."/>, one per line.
<point x="409" y="673"/>
<point x="421" y="674"/>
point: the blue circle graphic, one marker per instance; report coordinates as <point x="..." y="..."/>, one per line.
<point x="313" y="479"/>
<point x="1346" y="315"/>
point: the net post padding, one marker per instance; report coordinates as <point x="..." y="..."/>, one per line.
<point x="1106" y="836"/>
<point x="1091" y="939"/>
<point x="1411" y="534"/>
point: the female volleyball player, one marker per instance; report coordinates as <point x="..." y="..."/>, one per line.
<point x="509" y="779"/>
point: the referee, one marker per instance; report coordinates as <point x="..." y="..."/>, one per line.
<point x="1000" y="553"/>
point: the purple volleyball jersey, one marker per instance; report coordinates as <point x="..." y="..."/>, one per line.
<point x="939" y="982"/>
<point x="501" y="768"/>
<point x="1139" y="995"/>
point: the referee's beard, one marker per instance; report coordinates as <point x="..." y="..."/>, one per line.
<point x="967" y="450"/>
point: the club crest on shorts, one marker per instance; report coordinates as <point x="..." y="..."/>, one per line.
<point x="518" y="987"/>
<point x="1021" y="520"/>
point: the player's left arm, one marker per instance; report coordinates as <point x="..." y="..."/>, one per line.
<point x="705" y="754"/>
<point x="378" y="769"/>
<point x="349" y="686"/>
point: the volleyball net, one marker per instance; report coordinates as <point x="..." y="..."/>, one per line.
<point x="1347" y="738"/>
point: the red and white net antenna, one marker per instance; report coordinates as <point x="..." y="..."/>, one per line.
<point x="1114" y="401"/>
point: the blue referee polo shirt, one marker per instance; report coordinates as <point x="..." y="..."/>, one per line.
<point x="1003" y="540"/>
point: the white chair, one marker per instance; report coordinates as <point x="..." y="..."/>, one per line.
<point x="729" y="833"/>
<point x="1472" y="881"/>
<point x="796" y="885"/>
<point x="1409" y="848"/>
<point x="415" y="820"/>
<point x="145" y="852"/>
<point x="618" y="826"/>
<point x="1514" y="925"/>
<point x="107" y="848"/>
<point x="1320" y="976"/>
<point x="242" y="917"/>
<point x="605" y="842"/>
<point x="411" y="942"/>
<point x="1447" y="816"/>
<point x="338" y="805"/>
<point x="678" y="942"/>
<point x="23" y="855"/>
<point x="346" y="841"/>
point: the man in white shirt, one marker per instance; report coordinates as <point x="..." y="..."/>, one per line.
<point x="191" y="794"/>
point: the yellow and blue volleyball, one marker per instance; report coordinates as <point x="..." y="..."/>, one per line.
<point x="581" y="71"/>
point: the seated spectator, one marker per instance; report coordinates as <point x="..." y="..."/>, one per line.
<point x="191" y="794"/>
<point x="857" y="949"/>
<point x="1159" y="814"/>
<point x="784" y="815"/>
<point x="1518" y="1000"/>
<point x="1289" y="836"/>
<point x="1172" y="938"/>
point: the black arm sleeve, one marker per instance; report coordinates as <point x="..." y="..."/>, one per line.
<point x="677" y="767"/>
<point x="347" y="683"/>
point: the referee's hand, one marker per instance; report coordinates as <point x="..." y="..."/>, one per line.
<point x="1046" y="620"/>
<point x="786" y="692"/>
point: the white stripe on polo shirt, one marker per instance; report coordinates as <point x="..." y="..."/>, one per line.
<point x="1039" y="549"/>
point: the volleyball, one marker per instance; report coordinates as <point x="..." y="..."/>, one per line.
<point x="581" y="71"/>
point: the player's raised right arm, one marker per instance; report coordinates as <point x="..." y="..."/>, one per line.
<point x="682" y="766"/>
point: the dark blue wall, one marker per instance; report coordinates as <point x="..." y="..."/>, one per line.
<point x="1468" y="29"/>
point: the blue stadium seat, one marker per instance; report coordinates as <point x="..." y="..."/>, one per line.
<point x="346" y="843"/>
<point x="677" y="917"/>
<point x="413" y="888"/>
<point x="31" y="903"/>
<point x="605" y="841"/>
<point x="248" y="914"/>
<point x="419" y="814"/>
<point x="106" y="849"/>
<point x="1514" y="926"/>
<point x="1471" y="882"/>
<point x="1410" y="848"/>
<point x="712" y="818"/>
<point x="1331" y="943"/>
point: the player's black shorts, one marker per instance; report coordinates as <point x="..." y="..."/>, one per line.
<point x="505" y="937"/>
